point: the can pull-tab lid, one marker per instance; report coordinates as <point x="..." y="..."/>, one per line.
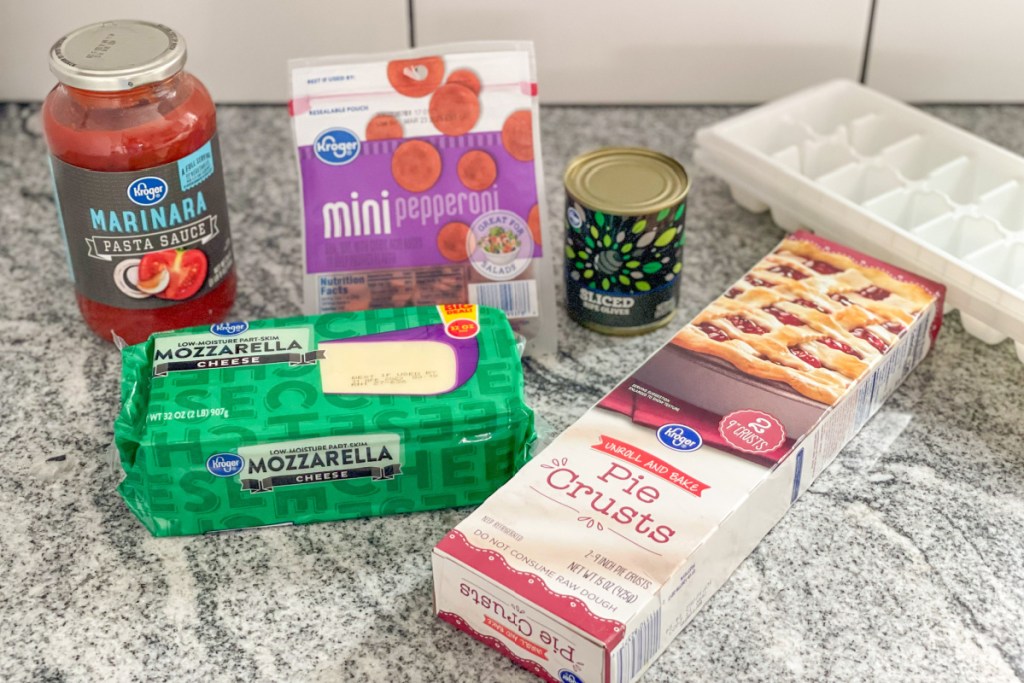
<point x="117" y="55"/>
<point x="627" y="181"/>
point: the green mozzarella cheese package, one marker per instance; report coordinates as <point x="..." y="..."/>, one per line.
<point x="320" y="418"/>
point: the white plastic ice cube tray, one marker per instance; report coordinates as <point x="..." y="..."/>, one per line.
<point x="856" y="166"/>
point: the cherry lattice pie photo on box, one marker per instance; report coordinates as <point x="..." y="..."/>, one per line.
<point x="810" y="316"/>
<point x="602" y="548"/>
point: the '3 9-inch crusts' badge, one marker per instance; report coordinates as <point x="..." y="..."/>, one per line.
<point x="500" y="245"/>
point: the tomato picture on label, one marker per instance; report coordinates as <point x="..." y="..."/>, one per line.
<point x="185" y="272"/>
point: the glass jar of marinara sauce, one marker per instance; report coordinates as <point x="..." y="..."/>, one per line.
<point x="138" y="181"/>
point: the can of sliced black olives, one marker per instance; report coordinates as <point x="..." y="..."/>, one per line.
<point x="625" y="210"/>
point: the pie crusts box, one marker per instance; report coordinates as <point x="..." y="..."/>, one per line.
<point x="587" y="563"/>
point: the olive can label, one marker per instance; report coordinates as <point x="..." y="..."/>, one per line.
<point x="622" y="272"/>
<point x="150" y="238"/>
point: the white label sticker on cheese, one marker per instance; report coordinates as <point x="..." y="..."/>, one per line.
<point x="388" y="367"/>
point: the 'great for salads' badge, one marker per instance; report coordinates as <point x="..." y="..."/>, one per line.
<point x="500" y="245"/>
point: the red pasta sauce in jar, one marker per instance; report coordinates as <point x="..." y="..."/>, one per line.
<point x="138" y="181"/>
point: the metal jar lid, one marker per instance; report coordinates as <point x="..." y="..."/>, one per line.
<point x="627" y="181"/>
<point x="117" y="55"/>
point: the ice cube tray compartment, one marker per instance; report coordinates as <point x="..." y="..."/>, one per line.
<point x="966" y="181"/>
<point x="863" y="182"/>
<point x="908" y="209"/>
<point x="869" y="135"/>
<point x="819" y="158"/>
<point x="1006" y="206"/>
<point x="825" y="116"/>
<point x="961" y="236"/>
<point x="919" y="156"/>
<point x="785" y="134"/>
<point x="884" y="177"/>
<point x="1004" y="263"/>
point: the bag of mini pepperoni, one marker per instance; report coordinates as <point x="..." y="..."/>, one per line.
<point x="422" y="183"/>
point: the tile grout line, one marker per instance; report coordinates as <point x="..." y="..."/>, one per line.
<point x="867" y="42"/>
<point x="412" y="23"/>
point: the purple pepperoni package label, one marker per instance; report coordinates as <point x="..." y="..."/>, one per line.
<point x="589" y="561"/>
<point x="422" y="183"/>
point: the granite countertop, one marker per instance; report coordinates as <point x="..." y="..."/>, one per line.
<point x="905" y="561"/>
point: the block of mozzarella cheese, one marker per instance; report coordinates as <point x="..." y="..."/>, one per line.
<point x="320" y="418"/>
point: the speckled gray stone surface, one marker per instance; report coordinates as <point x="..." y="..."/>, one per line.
<point x="905" y="561"/>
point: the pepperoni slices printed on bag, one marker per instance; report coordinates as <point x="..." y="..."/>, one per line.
<point x="517" y="135"/>
<point x="451" y="241"/>
<point x="416" y="77"/>
<point x="384" y="127"/>
<point x="477" y="170"/>
<point x="416" y="165"/>
<point x="465" y="77"/>
<point x="454" y="109"/>
<point x="533" y="222"/>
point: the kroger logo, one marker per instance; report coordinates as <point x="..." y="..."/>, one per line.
<point x="224" y="464"/>
<point x="336" y="146"/>
<point x="575" y="220"/>
<point x="680" y="437"/>
<point x="147" y="191"/>
<point x="229" y="329"/>
<point x="566" y="676"/>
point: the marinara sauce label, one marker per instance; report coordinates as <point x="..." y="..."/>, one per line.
<point x="150" y="238"/>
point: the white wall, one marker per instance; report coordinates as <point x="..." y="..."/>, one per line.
<point x="238" y="48"/>
<point x="589" y="51"/>
<point x="948" y="50"/>
<point x="665" y="51"/>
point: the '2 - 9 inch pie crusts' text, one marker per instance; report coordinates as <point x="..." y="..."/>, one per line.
<point x="602" y="548"/>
